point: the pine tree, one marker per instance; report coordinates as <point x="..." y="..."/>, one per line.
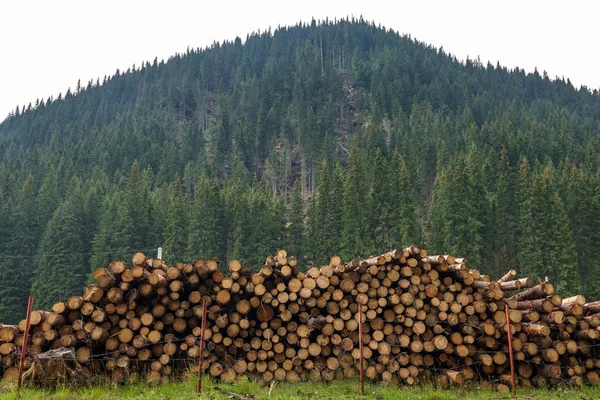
<point x="403" y="206"/>
<point x="353" y="207"/>
<point x="562" y="251"/>
<point x="311" y="232"/>
<point x="237" y="217"/>
<point x="47" y="200"/>
<point x="16" y="267"/>
<point x="323" y="229"/>
<point x="530" y="250"/>
<point x="336" y="212"/>
<point x="175" y="233"/>
<point x="504" y="222"/>
<point x="457" y="210"/>
<point x="295" y="224"/>
<point x="61" y="266"/>
<point x="378" y="207"/>
<point x="583" y="213"/>
<point x="206" y="238"/>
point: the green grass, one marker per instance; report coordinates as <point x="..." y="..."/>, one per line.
<point x="246" y="390"/>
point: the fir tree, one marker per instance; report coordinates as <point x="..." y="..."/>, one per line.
<point x="61" y="265"/>
<point x="295" y="224"/>
<point x="353" y="208"/>
<point x="176" y="233"/>
<point x="206" y="238"/>
<point x="403" y="227"/>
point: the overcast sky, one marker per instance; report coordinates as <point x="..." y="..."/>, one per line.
<point x="46" y="46"/>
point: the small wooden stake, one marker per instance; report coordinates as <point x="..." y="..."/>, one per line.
<point x="24" y="348"/>
<point x="510" y="352"/>
<point x="203" y="325"/>
<point x="360" y="347"/>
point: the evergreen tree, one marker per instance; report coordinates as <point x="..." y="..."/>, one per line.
<point x="175" y="233"/>
<point x="456" y="215"/>
<point x="583" y="213"/>
<point x="353" y="208"/>
<point x="47" y="200"/>
<point x="206" y="239"/>
<point x="237" y="217"/>
<point x="404" y="229"/>
<point x="378" y="207"/>
<point x="295" y="224"/>
<point x="16" y="267"/>
<point x="504" y="222"/>
<point x="61" y="265"/>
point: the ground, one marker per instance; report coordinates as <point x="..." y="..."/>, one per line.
<point x="245" y="390"/>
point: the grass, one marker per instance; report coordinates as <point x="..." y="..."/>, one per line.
<point x="247" y="390"/>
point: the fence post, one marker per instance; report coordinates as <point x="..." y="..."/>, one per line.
<point x="203" y="325"/>
<point x="360" y="348"/>
<point x="24" y="347"/>
<point x="510" y="351"/>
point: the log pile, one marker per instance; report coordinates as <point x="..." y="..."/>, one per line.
<point x="425" y="319"/>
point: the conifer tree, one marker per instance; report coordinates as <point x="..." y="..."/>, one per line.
<point x="322" y="219"/>
<point x="353" y="207"/>
<point x="583" y="213"/>
<point x="206" y="238"/>
<point x="336" y="212"/>
<point x="378" y="207"/>
<point x="456" y="214"/>
<point x="47" y="200"/>
<point x="237" y="217"/>
<point x="403" y="206"/>
<point x="504" y="222"/>
<point x="562" y="251"/>
<point x="61" y="265"/>
<point x="530" y="250"/>
<point x="295" y="224"/>
<point x="176" y="233"/>
<point x="16" y="266"/>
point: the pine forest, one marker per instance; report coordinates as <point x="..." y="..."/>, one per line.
<point x="325" y="138"/>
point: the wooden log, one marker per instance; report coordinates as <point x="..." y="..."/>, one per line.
<point x="517" y="284"/>
<point x="537" y="292"/>
<point x="592" y="307"/>
<point x="577" y="299"/>
<point x="539" y="305"/>
<point x="8" y="333"/>
<point x="508" y="276"/>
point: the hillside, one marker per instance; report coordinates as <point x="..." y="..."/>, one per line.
<point x="323" y="138"/>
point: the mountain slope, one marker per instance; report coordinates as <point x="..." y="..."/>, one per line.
<point x="332" y="138"/>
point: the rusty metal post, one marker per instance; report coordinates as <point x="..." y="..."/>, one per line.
<point x="203" y="325"/>
<point x="510" y="351"/>
<point x="360" y="348"/>
<point x="24" y="347"/>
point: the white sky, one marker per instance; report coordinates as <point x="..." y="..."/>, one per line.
<point x="46" y="46"/>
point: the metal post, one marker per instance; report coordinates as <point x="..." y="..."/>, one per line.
<point x="203" y="325"/>
<point x="360" y="349"/>
<point x="510" y="351"/>
<point x="24" y="347"/>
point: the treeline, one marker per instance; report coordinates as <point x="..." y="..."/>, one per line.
<point x="332" y="138"/>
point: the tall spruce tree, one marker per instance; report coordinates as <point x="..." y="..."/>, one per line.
<point x="353" y="207"/>
<point x="206" y="238"/>
<point x="176" y="230"/>
<point x="295" y="223"/>
<point x="403" y="205"/>
<point x="61" y="266"/>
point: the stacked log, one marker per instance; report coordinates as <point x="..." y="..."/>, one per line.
<point x="425" y="318"/>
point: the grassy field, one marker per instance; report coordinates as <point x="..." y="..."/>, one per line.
<point x="304" y="391"/>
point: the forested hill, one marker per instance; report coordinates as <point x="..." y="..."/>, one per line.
<point x="323" y="138"/>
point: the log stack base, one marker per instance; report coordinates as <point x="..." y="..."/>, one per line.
<point x="425" y="319"/>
